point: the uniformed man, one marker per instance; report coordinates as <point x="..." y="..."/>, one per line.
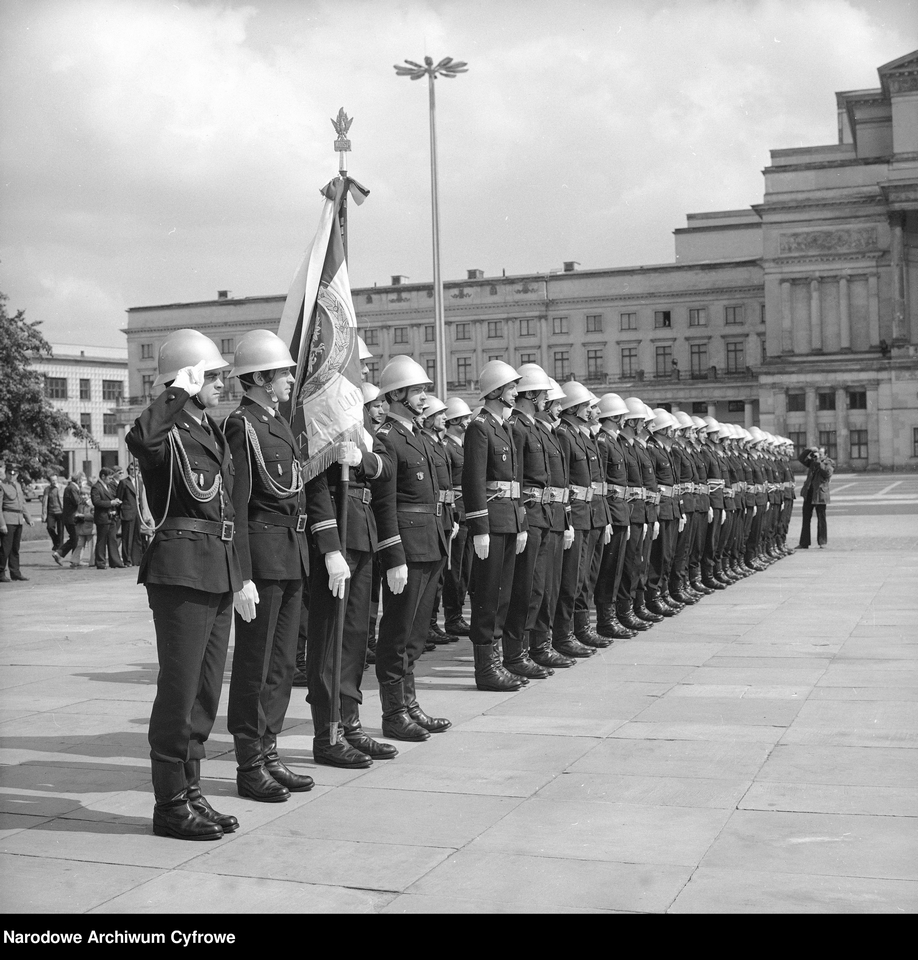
<point x="456" y="578"/>
<point x="663" y="549"/>
<point x="491" y="476"/>
<point x="191" y="572"/>
<point x="412" y="547"/>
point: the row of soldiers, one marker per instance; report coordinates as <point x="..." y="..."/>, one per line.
<point x="544" y="503"/>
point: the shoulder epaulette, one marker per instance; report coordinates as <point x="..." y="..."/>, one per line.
<point x="384" y="430"/>
<point x="480" y="419"/>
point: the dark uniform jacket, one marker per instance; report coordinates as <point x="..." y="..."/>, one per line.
<point x="490" y="458"/>
<point x="406" y="502"/>
<point x="658" y="450"/>
<point x="635" y="477"/>
<point x="201" y="561"/>
<point x="531" y="450"/>
<point x="649" y="479"/>
<point x="715" y="467"/>
<point x="616" y="472"/>
<point x="577" y="454"/>
<point x="456" y="456"/>
<point x="444" y="478"/>
<point x="559" y="513"/>
<point x="684" y="469"/>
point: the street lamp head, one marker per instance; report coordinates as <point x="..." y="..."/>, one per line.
<point x="447" y="67"/>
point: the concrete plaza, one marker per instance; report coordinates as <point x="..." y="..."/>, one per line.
<point x="757" y="753"/>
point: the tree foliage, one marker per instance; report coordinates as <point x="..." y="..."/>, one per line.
<point x="32" y="429"/>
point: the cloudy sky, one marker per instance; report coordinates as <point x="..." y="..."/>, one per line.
<point x="155" y="151"/>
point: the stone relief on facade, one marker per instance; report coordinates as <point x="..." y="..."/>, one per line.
<point x="829" y="241"/>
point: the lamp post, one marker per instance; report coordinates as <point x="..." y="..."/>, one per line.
<point x="445" y="68"/>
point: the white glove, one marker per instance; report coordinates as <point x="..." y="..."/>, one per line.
<point x="455" y="532"/>
<point x="723" y="516"/>
<point x="482" y="544"/>
<point x="627" y="533"/>
<point x="338" y="573"/>
<point x="244" y="600"/>
<point x="607" y="534"/>
<point x="521" y="539"/>
<point x="656" y="530"/>
<point x="682" y="520"/>
<point x="755" y="510"/>
<point x="349" y="453"/>
<point x="397" y="578"/>
<point x="568" y="540"/>
<point x="191" y="379"/>
<point x="710" y="514"/>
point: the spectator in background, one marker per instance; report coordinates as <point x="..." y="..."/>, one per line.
<point x="52" y="514"/>
<point x="105" y="515"/>
<point x="131" y="543"/>
<point x="815" y="493"/>
<point x="13" y="513"/>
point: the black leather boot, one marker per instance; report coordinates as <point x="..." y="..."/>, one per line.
<point x="396" y="723"/>
<point x="279" y="770"/>
<point x="660" y="607"/>
<point x="340" y="754"/>
<point x="607" y="624"/>
<point x="570" y="646"/>
<point x="173" y="815"/>
<point x="712" y="583"/>
<point x="585" y="634"/>
<point x="252" y="779"/>
<point x="542" y="653"/>
<point x="699" y="587"/>
<point x="627" y="618"/>
<point x="430" y="724"/>
<point x="357" y="737"/>
<point x="490" y="673"/>
<point x="199" y="802"/>
<point x="458" y="626"/>
<point x="517" y="661"/>
<point x="299" y="672"/>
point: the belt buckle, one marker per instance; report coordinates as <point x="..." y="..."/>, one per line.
<point x="228" y="529"/>
<point x="301" y="523"/>
<point x="439" y="509"/>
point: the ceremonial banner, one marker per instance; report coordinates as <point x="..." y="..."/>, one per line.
<point x="320" y="325"/>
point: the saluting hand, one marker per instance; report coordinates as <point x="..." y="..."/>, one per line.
<point x="190" y="379"/>
<point x="244" y="601"/>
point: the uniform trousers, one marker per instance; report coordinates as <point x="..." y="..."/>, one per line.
<point x="679" y="574"/>
<point x="696" y="552"/>
<point x="320" y="651"/>
<point x="610" y="566"/>
<point x="822" y="530"/>
<point x="569" y="587"/>
<point x="631" y="570"/>
<point x="523" y="593"/>
<point x="9" y="548"/>
<point x="711" y="540"/>
<point x="456" y="578"/>
<point x="592" y="560"/>
<point x="724" y="538"/>
<point x="493" y="586"/>
<point x="405" y="621"/>
<point x="662" y="554"/>
<point x="192" y="634"/>
<point x="755" y="531"/>
<point x="264" y="658"/>
<point x="646" y="546"/>
<point x="784" y="523"/>
<point x="552" y="547"/>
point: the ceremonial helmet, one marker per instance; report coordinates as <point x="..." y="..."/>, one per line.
<point x="757" y="434"/>
<point x="260" y="350"/>
<point x="363" y="351"/>
<point x="662" y="419"/>
<point x="187" y="348"/>
<point x="684" y="420"/>
<point x="636" y="409"/>
<point x="712" y="425"/>
<point x="457" y="408"/>
<point x="494" y="375"/>
<point x="699" y="424"/>
<point x="532" y="377"/>
<point x="555" y="392"/>
<point x="370" y="392"/>
<point x="574" y="394"/>
<point x="402" y="371"/>
<point x="611" y="405"/>
<point x="434" y="406"/>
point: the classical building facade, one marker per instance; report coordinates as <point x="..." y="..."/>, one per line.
<point x="798" y="313"/>
<point x="90" y="385"/>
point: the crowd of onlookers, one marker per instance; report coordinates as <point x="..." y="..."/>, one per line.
<point x="100" y="521"/>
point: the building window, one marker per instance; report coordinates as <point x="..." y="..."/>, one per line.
<point x="663" y="360"/>
<point x="228" y="345"/>
<point x="85" y="390"/>
<point x="464" y="369"/>
<point x="857" y="399"/>
<point x="736" y="356"/>
<point x="372" y="370"/>
<point x="430" y="365"/>
<point x="699" y="408"/>
<point x="495" y="356"/>
<point x="762" y="314"/>
<point x="559" y="325"/>
<point x="371" y="337"/>
<point x="527" y="358"/>
<point x="495" y="329"/>
<point x="595" y="363"/>
<point x="146" y="384"/>
<point x="146" y="351"/>
<point x="400" y="335"/>
<point x="428" y="333"/>
<point x="463" y="331"/>
<point x="594" y="323"/>
<point x="662" y="318"/>
<point x="629" y="321"/>
<point x="56" y="388"/>
<point x="698" y="317"/>
<point x="562" y="363"/>
<point x="798" y="439"/>
<point x="733" y="314"/>
<point x="112" y="391"/>
<point x="629" y="362"/>
<point x="527" y="327"/>
<point x="86" y="422"/>
<point x="827" y="440"/>
<point x="915" y="441"/>
<point x="109" y="427"/>
<point x="698" y="355"/>
<point x="796" y="403"/>
<point x="825" y="400"/>
<point x="858" y="444"/>
<point x="736" y="406"/>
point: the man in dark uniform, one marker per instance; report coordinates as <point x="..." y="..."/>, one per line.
<point x="663" y="548"/>
<point x="491" y="489"/>
<point x="191" y="571"/>
<point x="456" y="578"/>
<point x="412" y="548"/>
